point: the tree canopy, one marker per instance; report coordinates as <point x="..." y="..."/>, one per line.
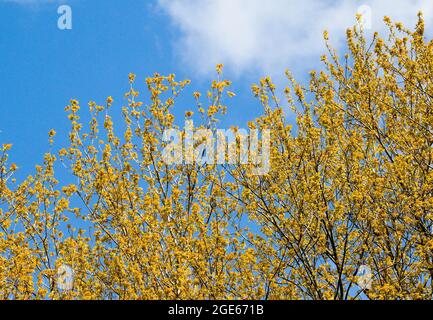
<point x="349" y="190"/>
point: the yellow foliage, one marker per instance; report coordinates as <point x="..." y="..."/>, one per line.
<point x="351" y="187"/>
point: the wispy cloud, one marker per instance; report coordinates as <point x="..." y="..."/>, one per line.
<point x="269" y="36"/>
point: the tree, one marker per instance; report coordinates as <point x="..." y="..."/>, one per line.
<point x="349" y="191"/>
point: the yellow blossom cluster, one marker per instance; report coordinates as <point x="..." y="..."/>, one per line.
<point x="351" y="188"/>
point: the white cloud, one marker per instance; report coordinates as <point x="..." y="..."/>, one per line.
<point x="270" y="36"/>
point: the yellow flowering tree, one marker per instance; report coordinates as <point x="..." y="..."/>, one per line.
<point x="352" y="189"/>
<point x="349" y="190"/>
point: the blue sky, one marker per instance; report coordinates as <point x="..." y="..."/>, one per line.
<point x="42" y="67"/>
